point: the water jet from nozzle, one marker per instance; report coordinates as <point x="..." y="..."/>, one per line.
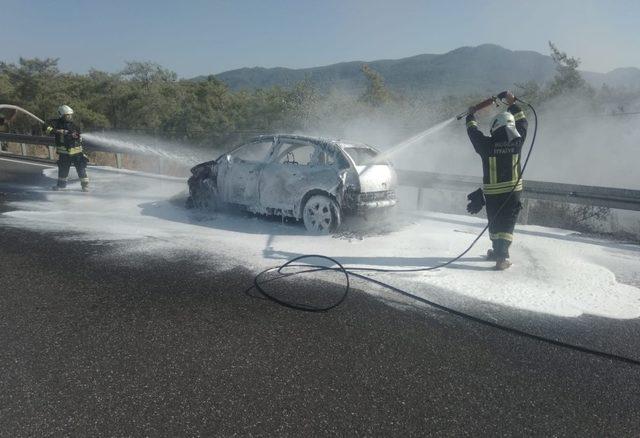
<point x="144" y="145"/>
<point x="412" y="140"/>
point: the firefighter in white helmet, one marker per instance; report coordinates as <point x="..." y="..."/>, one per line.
<point x="502" y="186"/>
<point x="68" y="141"/>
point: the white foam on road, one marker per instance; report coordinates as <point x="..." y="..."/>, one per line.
<point x="554" y="272"/>
<point x="26" y="163"/>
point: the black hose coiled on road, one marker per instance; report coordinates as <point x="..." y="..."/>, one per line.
<point x="348" y="271"/>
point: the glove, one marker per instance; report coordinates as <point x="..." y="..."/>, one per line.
<point x="476" y="201"/>
<point x="507" y="97"/>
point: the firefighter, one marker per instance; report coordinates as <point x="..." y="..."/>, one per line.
<point x="501" y="166"/>
<point x="68" y="143"/>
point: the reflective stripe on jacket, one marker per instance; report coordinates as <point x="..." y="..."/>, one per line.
<point x="500" y="158"/>
<point x="68" y="142"/>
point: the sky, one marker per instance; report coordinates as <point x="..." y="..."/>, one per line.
<point x="203" y="37"/>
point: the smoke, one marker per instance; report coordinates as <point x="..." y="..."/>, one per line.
<point x="578" y="142"/>
<point x="582" y="145"/>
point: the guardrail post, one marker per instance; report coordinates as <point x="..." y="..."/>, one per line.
<point x="118" y="160"/>
<point x="52" y="151"/>
<point x="23" y="149"/>
<point x="524" y="214"/>
<point x="420" y="196"/>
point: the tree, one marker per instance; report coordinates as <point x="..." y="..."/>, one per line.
<point x="147" y="72"/>
<point x="567" y="78"/>
<point x="376" y="94"/>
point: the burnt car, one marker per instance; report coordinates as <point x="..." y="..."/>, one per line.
<point x="315" y="180"/>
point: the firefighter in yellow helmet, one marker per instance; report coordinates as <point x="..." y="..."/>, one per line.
<point x="68" y="142"/>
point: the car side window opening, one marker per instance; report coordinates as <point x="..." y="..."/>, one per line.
<point x="253" y="152"/>
<point x="299" y="154"/>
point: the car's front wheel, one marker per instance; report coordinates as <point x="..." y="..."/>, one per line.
<point x="321" y="215"/>
<point x="203" y="196"/>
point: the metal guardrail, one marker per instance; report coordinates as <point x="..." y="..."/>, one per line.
<point x="571" y="193"/>
<point x="44" y="140"/>
<point x="47" y="141"/>
<point x="623" y="199"/>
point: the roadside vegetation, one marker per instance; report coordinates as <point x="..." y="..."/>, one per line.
<point x="145" y="97"/>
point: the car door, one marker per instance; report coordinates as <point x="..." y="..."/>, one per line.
<point x="296" y="167"/>
<point x="240" y="170"/>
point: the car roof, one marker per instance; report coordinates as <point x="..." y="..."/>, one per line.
<point x="341" y="144"/>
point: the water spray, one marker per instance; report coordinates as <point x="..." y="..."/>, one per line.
<point x="142" y="145"/>
<point x="413" y="140"/>
<point x="432" y="130"/>
<point x="123" y="143"/>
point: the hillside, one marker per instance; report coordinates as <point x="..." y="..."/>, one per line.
<point x="485" y="68"/>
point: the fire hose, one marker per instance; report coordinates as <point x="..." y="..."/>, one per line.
<point x="353" y="271"/>
<point x="22" y="110"/>
<point x="358" y="272"/>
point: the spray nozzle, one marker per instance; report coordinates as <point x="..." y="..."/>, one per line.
<point x="500" y="98"/>
<point x="485" y="103"/>
<point x="504" y="95"/>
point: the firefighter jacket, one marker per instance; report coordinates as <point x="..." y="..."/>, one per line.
<point x="67" y="136"/>
<point x="500" y="158"/>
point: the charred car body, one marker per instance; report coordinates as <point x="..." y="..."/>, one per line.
<point x="311" y="179"/>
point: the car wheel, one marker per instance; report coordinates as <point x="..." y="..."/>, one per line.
<point x="203" y="196"/>
<point x="321" y="215"/>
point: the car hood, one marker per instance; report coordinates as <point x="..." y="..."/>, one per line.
<point x="376" y="178"/>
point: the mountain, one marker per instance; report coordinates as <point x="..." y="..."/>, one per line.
<point x="481" y="69"/>
<point x="620" y="77"/>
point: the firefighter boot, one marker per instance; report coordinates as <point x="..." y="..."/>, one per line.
<point x="500" y="254"/>
<point x="502" y="264"/>
<point x="62" y="184"/>
<point x="84" y="183"/>
<point x="491" y="255"/>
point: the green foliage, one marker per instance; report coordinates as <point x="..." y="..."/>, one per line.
<point x="376" y="94"/>
<point x="567" y="78"/>
<point x="146" y="97"/>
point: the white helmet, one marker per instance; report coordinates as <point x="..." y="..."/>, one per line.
<point x="505" y="119"/>
<point x="65" y="110"/>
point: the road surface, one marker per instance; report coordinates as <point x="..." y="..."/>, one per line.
<point x="163" y="346"/>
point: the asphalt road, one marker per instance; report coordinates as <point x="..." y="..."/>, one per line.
<point x="161" y="348"/>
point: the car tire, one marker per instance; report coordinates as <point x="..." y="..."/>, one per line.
<point x="202" y="197"/>
<point x="321" y="215"/>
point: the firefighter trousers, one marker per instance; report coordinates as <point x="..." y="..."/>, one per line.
<point x="502" y="221"/>
<point x="79" y="161"/>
